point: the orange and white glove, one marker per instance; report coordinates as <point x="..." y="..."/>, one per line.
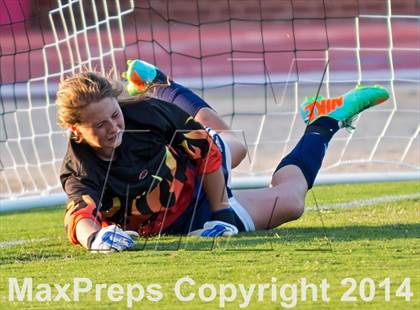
<point x="140" y="76"/>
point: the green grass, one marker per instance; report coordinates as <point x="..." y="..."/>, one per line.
<point x="375" y="241"/>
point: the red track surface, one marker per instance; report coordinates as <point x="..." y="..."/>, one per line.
<point x="248" y="39"/>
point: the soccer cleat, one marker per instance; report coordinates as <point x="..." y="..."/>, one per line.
<point x="344" y="108"/>
<point x="142" y="76"/>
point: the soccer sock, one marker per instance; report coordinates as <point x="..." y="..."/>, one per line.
<point x="310" y="150"/>
<point x="181" y="97"/>
<point x="160" y="77"/>
<point x="169" y="93"/>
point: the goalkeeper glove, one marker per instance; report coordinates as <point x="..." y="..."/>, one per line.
<point x="215" y="229"/>
<point x="142" y="76"/>
<point x="111" y="239"/>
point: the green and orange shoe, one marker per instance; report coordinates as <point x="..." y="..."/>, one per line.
<point x="142" y="76"/>
<point x="344" y="108"/>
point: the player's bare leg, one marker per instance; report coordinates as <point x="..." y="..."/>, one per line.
<point x="210" y="118"/>
<point x="295" y="174"/>
<point x="284" y="202"/>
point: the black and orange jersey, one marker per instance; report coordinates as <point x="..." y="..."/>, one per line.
<point x="152" y="177"/>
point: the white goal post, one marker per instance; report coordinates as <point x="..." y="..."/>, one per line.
<point x="253" y="61"/>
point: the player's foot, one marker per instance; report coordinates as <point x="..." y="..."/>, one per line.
<point x="142" y="76"/>
<point x="344" y="108"/>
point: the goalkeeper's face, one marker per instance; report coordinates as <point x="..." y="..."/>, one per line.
<point x="101" y="125"/>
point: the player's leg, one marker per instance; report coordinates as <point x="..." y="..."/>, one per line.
<point x="184" y="98"/>
<point x="296" y="173"/>
<point x="210" y="118"/>
<point x="204" y="114"/>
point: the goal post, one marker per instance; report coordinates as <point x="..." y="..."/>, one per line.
<point x="253" y="61"/>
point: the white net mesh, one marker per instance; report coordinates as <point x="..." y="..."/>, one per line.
<point x="253" y="61"/>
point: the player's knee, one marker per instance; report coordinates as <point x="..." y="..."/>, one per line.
<point x="238" y="151"/>
<point x="242" y="151"/>
<point x="296" y="208"/>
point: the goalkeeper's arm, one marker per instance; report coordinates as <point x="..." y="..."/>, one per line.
<point x="85" y="230"/>
<point x="103" y="240"/>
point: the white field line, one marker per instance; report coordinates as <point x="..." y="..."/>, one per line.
<point x="366" y="202"/>
<point x="10" y="243"/>
<point x="344" y="205"/>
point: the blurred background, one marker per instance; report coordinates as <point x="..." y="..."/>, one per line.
<point x="253" y="61"/>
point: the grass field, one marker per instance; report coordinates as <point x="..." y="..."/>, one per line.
<point x="377" y="240"/>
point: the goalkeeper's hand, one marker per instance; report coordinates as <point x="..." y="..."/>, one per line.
<point x="140" y="76"/>
<point x="215" y="229"/>
<point x="112" y="239"/>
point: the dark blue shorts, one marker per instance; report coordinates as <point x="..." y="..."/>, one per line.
<point x="188" y="221"/>
<point x="192" y="220"/>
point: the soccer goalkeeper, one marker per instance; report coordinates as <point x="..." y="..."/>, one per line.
<point x="144" y="164"/>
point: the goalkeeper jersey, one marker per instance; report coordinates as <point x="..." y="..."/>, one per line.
<point x="151" y="180"/>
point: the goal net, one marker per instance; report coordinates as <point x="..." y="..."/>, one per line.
<point x="253" y="61"/>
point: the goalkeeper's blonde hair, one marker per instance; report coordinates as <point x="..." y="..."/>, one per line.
<point x="78" y="91"/>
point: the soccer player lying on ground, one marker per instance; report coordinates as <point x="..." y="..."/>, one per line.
<point x="140" y="164"/>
